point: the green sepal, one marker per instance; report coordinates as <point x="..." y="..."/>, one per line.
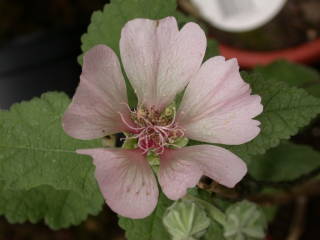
<point x="129" y="143"/>
<point x="179" y="143"/>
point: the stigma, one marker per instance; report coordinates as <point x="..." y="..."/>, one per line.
<point x="154" y="131"/>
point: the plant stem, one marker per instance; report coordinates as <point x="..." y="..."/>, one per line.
<point x="308" y="189"/>
<point x="297" y="225"/>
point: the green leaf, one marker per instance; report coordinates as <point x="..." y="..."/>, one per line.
<point x="58" y="208"/>
<point x="270" y="211"/>
<point x="286" y="110"/>
<point x="150" y="228"/>
<point x="106" y="25"/>
<point x="183" y="19"/>
<point x="215" y="232"/>
<point x="212" y="49"/>
<point x="286" y="162"/>
<point x="35" y="151"/>
<point x="293" y="74"/>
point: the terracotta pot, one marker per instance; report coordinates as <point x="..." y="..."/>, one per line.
<point x="306" y="53"/>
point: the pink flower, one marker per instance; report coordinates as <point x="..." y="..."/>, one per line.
<point x="161" y="61"/>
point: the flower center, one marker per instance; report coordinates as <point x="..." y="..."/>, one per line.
<point x="154" y="130"/>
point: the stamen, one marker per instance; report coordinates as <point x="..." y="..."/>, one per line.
<point x="148" y="122"/>
<point x="172" y="121"/>
<point x="127" y="124"/>
<point x="181" y="132"/>
<point x="162" y="131"/>
<point x="152" y="130"/>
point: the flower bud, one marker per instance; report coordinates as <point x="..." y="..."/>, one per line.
<point x="185" y="220"/>
<point x="245" y="221"/>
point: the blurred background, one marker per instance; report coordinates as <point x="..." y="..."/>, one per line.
<point x="40" y="42"/>
<point x="39" y="45"/>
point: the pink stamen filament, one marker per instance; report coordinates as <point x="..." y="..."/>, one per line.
<point x="172" y="121"/>
<point x="127" y="124"/>
<point x="151" y="136"/>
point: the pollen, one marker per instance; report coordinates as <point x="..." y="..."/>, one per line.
<point x="154" y="130"/>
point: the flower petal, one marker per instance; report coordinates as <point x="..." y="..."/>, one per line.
<point x="217" y="106"/>
<point x="100" y="96"/>
<point x="125" y="180"/>
<point x="182" y="168"/>
<point x="159" y="59"/>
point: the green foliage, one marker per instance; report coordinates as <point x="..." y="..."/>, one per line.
<point x="204" y="199"/>
<point x="293" y="74"/>
<point x="183" y="19"/>
<point x="286" y="110"/>
<point x="38" y="159"/>
<point x="58" y="208"/>
<point x="217" y="217"/>
<point x="286" y="162"/>
<point x="105" y="27"/>
<point x="212" y="49"/>
<point x="245" y="220"/>
<point x="270" y="211"/>
<point x="199" y="193"/>
<point x="149" y="228"/>
<point x="215" y="232"/>
<point x="186" y="220"/>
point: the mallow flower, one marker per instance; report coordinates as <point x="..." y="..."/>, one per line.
<point x="161" y="61"/>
